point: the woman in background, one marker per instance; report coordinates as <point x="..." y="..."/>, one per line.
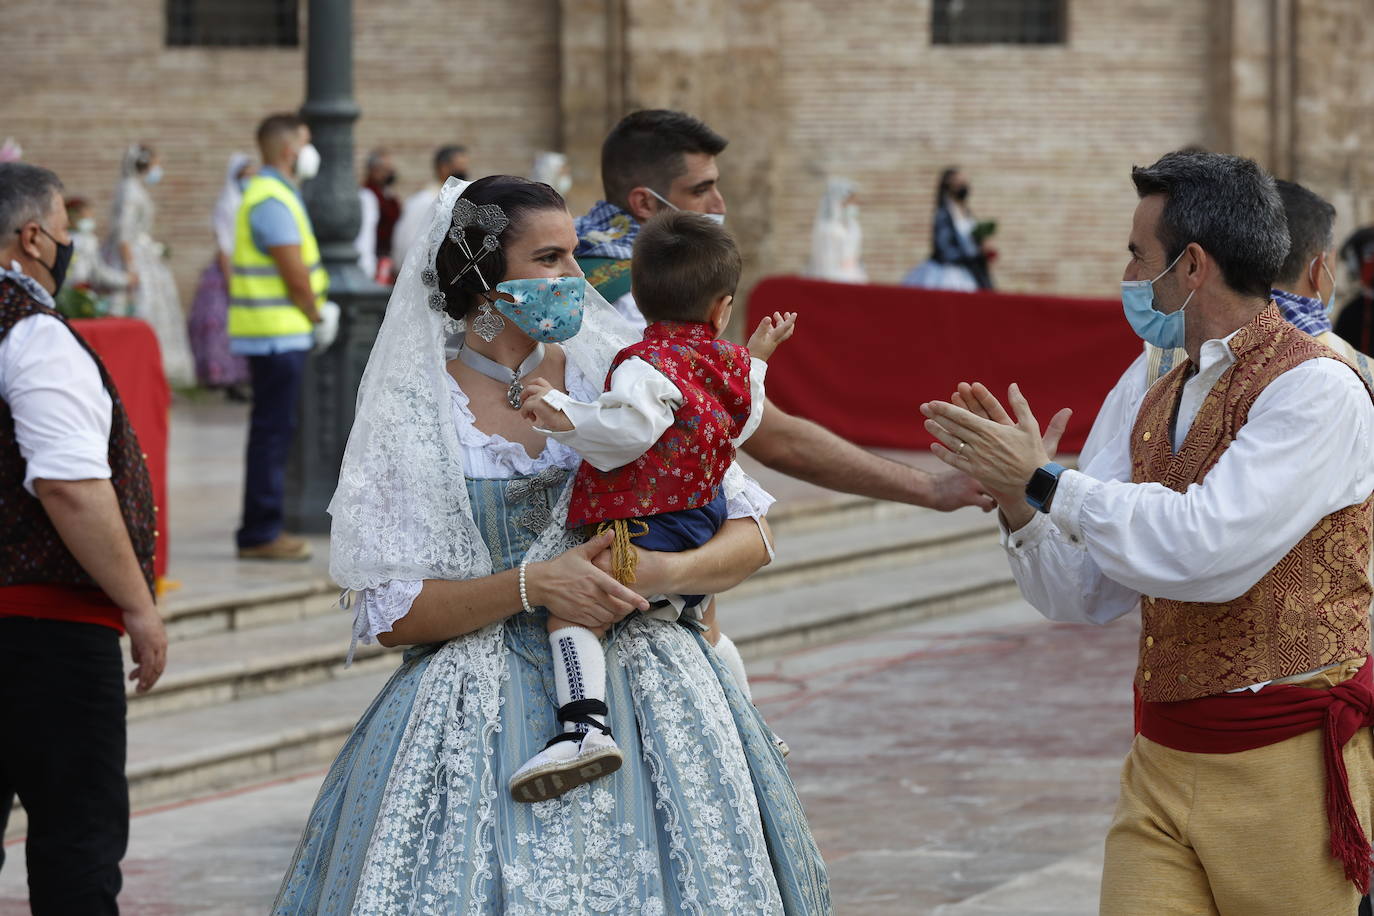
<point x="216" y="367"/>
<point x="836" y="237"/>
<point x="553" y="170"/>
<point x="131" y="247"/>
<point x="958" y="259"/>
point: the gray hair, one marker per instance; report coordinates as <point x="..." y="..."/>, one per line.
<point x="26" y="193"/>
<point x="1226" y="204"/>
<point x="1311" y="230"/>
<point x="375" y="157"/>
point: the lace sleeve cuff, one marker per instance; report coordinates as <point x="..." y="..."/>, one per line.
<point x="750" y="501"/>
<point x="376" y="610"/>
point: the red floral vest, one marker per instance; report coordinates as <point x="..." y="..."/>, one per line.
<point x="684" y="468"/>
<point x="31" y="552"/>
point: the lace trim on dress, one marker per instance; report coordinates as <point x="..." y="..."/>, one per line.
<point x="493" y="455"/>
<point x="379" y="608"/>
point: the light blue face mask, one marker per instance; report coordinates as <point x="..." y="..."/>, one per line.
<point x="1150" y="324"/>
<point x="153" y="175"/>
<point x="717" y="218"/>
<point x="548" y="309"/>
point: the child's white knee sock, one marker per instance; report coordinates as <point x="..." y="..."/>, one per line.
<point x="579" y="668"/>
<point x="725" y="647"/>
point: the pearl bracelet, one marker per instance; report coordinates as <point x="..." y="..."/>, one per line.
<point x="524" y="593"/>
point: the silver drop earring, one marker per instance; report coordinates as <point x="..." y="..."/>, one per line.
<point x="488" y="324"/>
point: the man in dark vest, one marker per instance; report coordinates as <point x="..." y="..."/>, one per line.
<point x="76" y="568"/>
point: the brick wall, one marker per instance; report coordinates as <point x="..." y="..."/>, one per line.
<point x="803" y="89"/>
<point x="1047" y="134"/>
<point x="87" y="77"/>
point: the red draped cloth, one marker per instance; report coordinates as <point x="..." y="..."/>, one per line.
<point x="865" y="357"/>
<point x="129" y="350"/>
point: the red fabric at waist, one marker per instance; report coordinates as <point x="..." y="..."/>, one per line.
<point x="58" y="602"/>
<point x="1231" y="722"/>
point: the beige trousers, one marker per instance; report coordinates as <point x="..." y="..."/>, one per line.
<point x="1243" y="834"/>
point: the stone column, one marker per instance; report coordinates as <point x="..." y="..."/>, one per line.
<point x="331" y="378"/>
<point x="330" y="110"/>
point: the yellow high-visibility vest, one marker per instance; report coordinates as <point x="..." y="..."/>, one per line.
<point x="259" y="303"/>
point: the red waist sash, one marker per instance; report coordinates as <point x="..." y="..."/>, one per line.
<point x="1231" y="722"/>
<point x="59" y="602"/>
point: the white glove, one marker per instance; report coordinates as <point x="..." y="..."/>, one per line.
<point x="328" y="328"/>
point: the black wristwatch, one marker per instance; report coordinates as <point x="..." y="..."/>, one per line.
<point x="1042" y="485"/>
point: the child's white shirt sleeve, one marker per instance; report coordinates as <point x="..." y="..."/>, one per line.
<point x="757" y="369"/>
<point x="624" y="422"/>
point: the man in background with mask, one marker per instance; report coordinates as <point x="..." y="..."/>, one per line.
<point x="1233" y="510"/>
<point x="651" y="161"/>
<point x="666" y="160"/>
<point x="379" y="179"/>
<point x="76" y="568"/>
<point x="450" y="161"/>
<point x="277" y="286"/>
<point x="1297" y="292"/>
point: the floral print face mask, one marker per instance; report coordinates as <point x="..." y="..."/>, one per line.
<point x="548" y="309"/>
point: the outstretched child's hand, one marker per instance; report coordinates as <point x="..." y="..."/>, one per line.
<point x="534" y="408"/>
<point x="772" y="330"/>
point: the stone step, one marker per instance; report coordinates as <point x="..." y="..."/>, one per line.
<point x="244" y="607"/>
<point x="233" y="665"/>
<point x="227" y="665"/>
<point x="194" y="752"/>
<point x="863" y="539"/>
<point x="266" y="594"/>
<point x="275" y="711"/>
<point x="851" y="605"/>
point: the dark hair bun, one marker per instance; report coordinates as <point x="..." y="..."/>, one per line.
<point x="517" y="197"/>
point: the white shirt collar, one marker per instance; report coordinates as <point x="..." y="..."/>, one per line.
<point x="1215" y="352"/>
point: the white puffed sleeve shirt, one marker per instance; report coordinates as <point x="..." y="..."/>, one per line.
<point x="1306" y="450"/>
<point x="62" y="412"/>
<point x="636" y="409"/>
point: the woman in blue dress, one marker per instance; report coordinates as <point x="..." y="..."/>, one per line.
<point x="449" y="535"/>
<point x="958" y="260"/>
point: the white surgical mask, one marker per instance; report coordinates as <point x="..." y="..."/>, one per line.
<point x="564" y="184"/>
<point x="717" y="218"/>
<point x="85" y="224"/>
<point x="308" y="162"/>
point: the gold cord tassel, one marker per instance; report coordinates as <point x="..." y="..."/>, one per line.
<point x="624" y="560"/>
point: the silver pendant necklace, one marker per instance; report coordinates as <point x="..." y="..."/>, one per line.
<point x="503" y="374"/>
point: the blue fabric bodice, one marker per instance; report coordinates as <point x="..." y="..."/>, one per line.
<point x="510" y="513"/>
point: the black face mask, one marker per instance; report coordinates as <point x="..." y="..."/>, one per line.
<point x="60" y="261"/>
<point x="461" y="176"/>
<point x="960" y="194"/>
<point x="389" y="180"/>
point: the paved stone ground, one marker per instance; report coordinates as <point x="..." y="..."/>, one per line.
<point x="959" y="767"/>
<point x="963" y="766"/>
